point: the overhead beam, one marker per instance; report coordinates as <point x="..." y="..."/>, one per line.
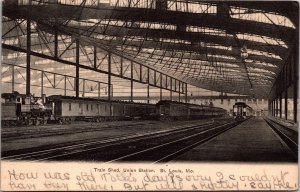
<point x="59" y="11"/>
<point x="32" y="53"/>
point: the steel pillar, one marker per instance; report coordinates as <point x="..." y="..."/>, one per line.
<point x="42" y="83"/>
<point x="98" y="90"/>
<point x="83" y="87"/>
<point x="295" y="96"/>
<point x="179" y="91"/>
<point x="121" y="67"/>
<point x="148" y="86"/>
<point x="160" y="89"/>
<point x="276" y="107"/>
<point x="65" y="86"/>
<point x="77" y="69"/>
<point x="131" y="81"/>
<point x="95" y="57"/>
<point x="280" y="105"/>
<point x="109" y="76"/>
<point x="55" y="42"/>
<point x="109" y="83"/>
<point x="28" y="48"/>
<point x="12" y="78"/>
<point x="171" y="91"/>
<point x="296" y="77"/>
<point x="186" y="93"/>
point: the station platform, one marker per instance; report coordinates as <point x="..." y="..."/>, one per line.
<point x="251" y="141"/>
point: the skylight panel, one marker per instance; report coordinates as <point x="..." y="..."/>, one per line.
<point x="221" y="56"/>
<point x="210" y="45"/>
<point x="259" y="70"/>
<point x="259" y="75"/>
<point x="262" y="39"/>
<point x="260" y="63"/>
<point x="206" y="30"/>
<point x="263" y="53"/>
<point x="192" y="7"/>
<point x="259" y="16"/>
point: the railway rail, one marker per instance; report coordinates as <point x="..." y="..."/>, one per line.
<point x="112" y="149"/>
<point x="35" y="132"/>
<point x="167" y="151"/>
<point x="287" y="135"/>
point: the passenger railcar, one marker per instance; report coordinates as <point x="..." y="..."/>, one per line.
<point x="24" y="109"/>
<point x="173" y="110"/>
<point x="67" y="109"/>
<point x="241" y="111"/>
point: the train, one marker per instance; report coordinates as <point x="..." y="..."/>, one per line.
<point x="173" y="110"/>
<point x="242" y="111"/>
<point x="21" y="109"/>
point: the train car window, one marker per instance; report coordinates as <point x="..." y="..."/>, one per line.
<point x="87" y="107"/>
<point x="97" y="108"/>
<point x="27" y="101"/>
<point x="23" y="101"/>
<point x="18" y="99"/>
<point x="91" y="107"/>
<point x="70" y="106"/>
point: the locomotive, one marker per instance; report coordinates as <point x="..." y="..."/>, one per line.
<point x="19" y="109"/>
<point x="241" y="111"/>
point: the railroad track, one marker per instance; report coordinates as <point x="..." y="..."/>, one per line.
<point x="287" y="136"/>
<point x="169" y="150"/>
<point x="56" y="130"/>
<point x="83" y="150"/>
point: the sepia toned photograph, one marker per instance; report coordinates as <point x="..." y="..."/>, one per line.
<point x="112" y="84"/>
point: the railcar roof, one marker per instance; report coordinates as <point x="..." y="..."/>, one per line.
<point x="62" y="97"/>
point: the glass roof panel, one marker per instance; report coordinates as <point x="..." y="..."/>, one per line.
<point x="260" y="16"/>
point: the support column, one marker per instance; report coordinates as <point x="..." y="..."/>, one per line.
<point x="109" y="83"/>
<point x="121" y="67"/>
<point x="148" y="86"/>
<point x="95" y="57"/>
<point x="280" y="105"/>
<point x="42" y="83"/>
<point x="296" y="79"/>
<point x="65" y="86"/>
<point x="160" y="89"/>
<point x="175" y="87"/>
<point x="12" y="78"/>
<point x="271" y="108"/>
<point x="171" y="82"/>
<point x="83" y="87"/>
<point x="154" y="77"/>
<point x="109" y="76"/>
<point x="77" y="70"/>
<point x="276" y="107"/>
<point x="28" y="48"/>
<point x="295" y="97"/>
<point x="141" y="73"/>
<point x="131" y="81"/>
<point x="54" y="81"/>
<point x="186" y="99"/>
<point x="55" y="43"/>
<point x="179" y="90"/>
<point x="98" y="89"/>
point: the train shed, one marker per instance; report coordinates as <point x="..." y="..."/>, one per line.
<point x="151" y="67"/>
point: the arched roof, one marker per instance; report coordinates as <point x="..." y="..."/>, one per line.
<point x="235" y="47"/>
